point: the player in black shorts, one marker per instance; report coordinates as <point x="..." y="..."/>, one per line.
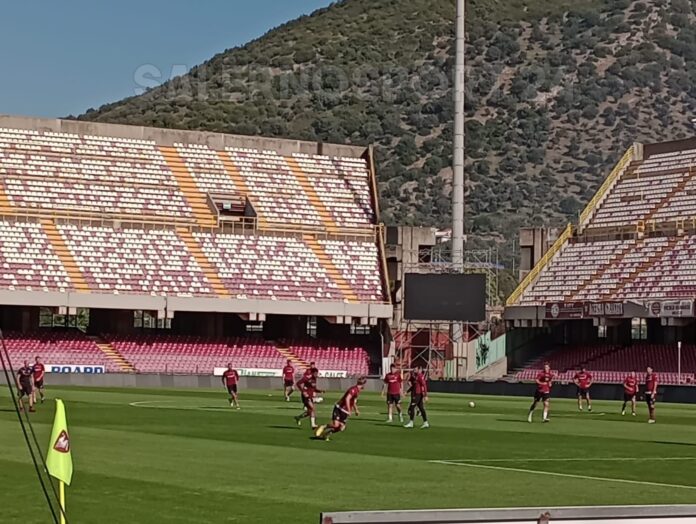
<point x="25" y="385"/>
<point x="342" y="410"/>
<point x="393" y="385"/>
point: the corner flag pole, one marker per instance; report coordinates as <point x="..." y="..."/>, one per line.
<point x="62" y="501"/>
<point x="59" y="457"/>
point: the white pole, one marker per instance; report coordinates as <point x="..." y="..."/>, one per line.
<point x="679" y="361"/>
<point x="458" y="153"/>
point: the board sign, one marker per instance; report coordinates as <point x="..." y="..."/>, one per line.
<point x="674" y="514"/>
<point x="564" y="310"/>
<point x="604" y="309"/>
<point x="671" y="308"/>
<point x="68" y="368"/>
<point x="277" y="373"/>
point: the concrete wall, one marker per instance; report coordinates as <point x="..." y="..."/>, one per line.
<point x="124" y="380"/>
<point x="172" y="304"/>
<point x="494" y="371"/>
<point x="168" y="137"/>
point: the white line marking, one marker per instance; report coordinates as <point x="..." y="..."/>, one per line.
<point x="570" y="459"/>
<point x="566" y="475"/>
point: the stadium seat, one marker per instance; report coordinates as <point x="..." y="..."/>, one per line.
<point x="342" y="184"/>
<point x="135" y="261"/>
<point x="610" y="363"/>
<point x="28" y="260"/>
<point x="93" y="174"/>
<point x="266" y="267"/>
<point x="56" y="347"/>
<point x="332" y="356"/>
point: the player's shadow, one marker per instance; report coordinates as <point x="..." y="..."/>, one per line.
<point x="520" y="421"/>
<point x="3" y="410"/>
<point x="382" y="424"/>
<point x="294" y="428"/>
<point x="690" y="444"/>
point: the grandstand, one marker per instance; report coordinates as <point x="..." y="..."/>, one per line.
<point x="242" y="248"/>
<point x="616" y="292"/>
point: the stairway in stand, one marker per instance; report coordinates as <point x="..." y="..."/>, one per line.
<point x="239" y="182"/>
<point x="312" y="195"/>
<point x="208" y="269"/>
<point x="331" y="269"/>
<point x="289" y="355"/>
<point x="192" y="194"/>
<point x="6" y="208"/>
<point x="113" y="355"/>
<point x="66" y="257"/>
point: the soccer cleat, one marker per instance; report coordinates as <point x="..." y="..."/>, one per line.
<point x="401" y="418"/>
<point x="651" y="421"/>
<point x="425" y="425"/>
<point x="589" y="409"/>
<point x="239" y="407"/>
<point x="529" y="418"/>
<point x="580" y="409"/>
<point x="546" y="420"/>
<point x="389" y="421"/>
<point x="409" y="424"/>
<point x="298" y="420"/>
<point x="634" y="413"/>
<point x="623" y="413"/>
<point x="319" y="430"/>
<point x="32" y="410"/>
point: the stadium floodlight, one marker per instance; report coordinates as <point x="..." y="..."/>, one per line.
<point x="458" y="153"/>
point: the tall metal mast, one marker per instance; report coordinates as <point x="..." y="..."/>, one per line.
<point x="458" y="156"/>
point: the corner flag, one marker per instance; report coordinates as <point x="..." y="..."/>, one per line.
<point x="59" y="457"/>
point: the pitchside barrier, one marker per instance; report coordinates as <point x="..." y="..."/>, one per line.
<point x="152" y="381"/>
<point x="95" y="378"/>
<point x="576" y="515"/>
<point x="680" y="394"/>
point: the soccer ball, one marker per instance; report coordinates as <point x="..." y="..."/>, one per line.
<point x="472" y="404"/>
<point x="319" y="400"/>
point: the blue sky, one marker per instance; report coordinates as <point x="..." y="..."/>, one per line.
<point x="60" y="58"/>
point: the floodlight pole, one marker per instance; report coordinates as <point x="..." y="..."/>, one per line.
<point x="458" y="153"/>
<point x="458" y="170"/>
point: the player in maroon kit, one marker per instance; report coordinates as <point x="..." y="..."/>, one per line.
<point x="630" y="385"/>
<point x="342" y="411"/>
<point x="230" y="378"/>
<point x="308" y="371"/>
<point x="393" y="387"/>
<point x="651" y="393"/>
<point x="288" y="380"/>
<point x="307" y="386"/>
<point x="25" y="385"/>
<point x="583" y="380"/>
<point x="418" y="388"/>
<point x="39" y="371"/>
<point x="544" y="381"/>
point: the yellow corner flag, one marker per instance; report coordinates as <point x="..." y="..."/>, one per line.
<point x="59" y="457"/>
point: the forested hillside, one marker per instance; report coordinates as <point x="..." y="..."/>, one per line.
<point x="556" y="90"/>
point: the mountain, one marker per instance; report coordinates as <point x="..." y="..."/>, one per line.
<point x="556" y="91"/>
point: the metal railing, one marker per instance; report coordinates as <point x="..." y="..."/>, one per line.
<point x="626" y="159"/>
<point x="540" y="265"/>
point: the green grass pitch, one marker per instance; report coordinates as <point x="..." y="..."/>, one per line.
<point x="175" y="456"/>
